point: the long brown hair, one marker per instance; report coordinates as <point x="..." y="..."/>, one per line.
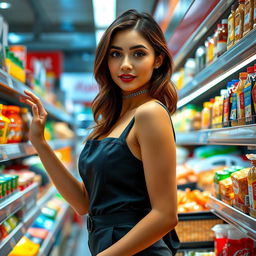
<point x="107" y="104"/>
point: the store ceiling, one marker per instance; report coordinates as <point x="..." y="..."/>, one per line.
<point x="62" y="25"/>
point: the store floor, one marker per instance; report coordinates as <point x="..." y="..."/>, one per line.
<point x="78" y="243"/>
<point x="82" y="244"/>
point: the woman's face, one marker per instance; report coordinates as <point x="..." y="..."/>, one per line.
<point x="131" y="60"/>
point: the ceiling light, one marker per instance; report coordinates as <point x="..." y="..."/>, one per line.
<point x="14" y="38"/>
<point x="5" y="5"/>
<point x="104" y="12"/>
<point x="213" y="83"/>
<point x="99" y="33"/>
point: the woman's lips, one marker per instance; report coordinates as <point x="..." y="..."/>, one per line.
<point x="126" y="78"/>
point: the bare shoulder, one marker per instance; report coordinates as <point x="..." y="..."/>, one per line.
<point x="151" y="110"/>
<point x="153" y="124"/>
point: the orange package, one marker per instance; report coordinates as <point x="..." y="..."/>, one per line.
<point x="226" y="191"/>
<point x="240" y="186"/>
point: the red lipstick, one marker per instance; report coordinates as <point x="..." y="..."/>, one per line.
<point x="126" y="77"/>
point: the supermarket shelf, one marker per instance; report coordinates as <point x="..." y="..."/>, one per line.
<point x="13" y="87"/>
<point x="206" y="245"/>
<point x="17" y="150"/>
<point x="230" y="62"/>
<point x="49" y="241"/>
<point x="18" y="200"/>
<point x="238" y="135"/>
<point x="208" y="22"/>
<point x="9" y="242"/>
<point x="243" y="222"/>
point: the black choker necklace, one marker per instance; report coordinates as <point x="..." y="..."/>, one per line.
<point x="135" y="94"/>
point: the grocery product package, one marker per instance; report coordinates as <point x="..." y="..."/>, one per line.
<point x="240" y="186"/>
<point x="229" y="241"/>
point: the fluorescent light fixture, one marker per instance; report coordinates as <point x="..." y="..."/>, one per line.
<point x="14" y="38"/>
<point x="104" y="12"/>
<point x="213" y="83"/>
<point x="99" y="33"/>
<point x="5" y="5"/>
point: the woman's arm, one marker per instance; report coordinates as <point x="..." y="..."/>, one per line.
<point x="71" y="189"/>
<point x="158" y="152"/>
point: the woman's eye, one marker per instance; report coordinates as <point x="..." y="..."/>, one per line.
<point x="115" y="54"/>
<point x="139" y="54"/>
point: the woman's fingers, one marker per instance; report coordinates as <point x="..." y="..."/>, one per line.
<point x="35" y="110"/>
<point x="35" y="99"/>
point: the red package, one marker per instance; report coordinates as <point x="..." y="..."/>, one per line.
<point x="241" y="247"/>
<point x="220" y="245"/>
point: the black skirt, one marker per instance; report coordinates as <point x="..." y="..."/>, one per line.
<point x="102" y="238"/>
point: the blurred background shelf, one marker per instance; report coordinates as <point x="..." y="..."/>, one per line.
<point x="14" y="88"/>
<point x="49" y="241"/>
<point x="17" y="150"/>
<point x="206" y="81"/>
<point x="238" y="135"/>
<point x="12" y="239"/>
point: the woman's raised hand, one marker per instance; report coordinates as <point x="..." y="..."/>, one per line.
<point x="36" y="132"/>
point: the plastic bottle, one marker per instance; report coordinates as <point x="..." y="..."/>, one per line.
<point x="210" y="51"/>
<point x="189" y="70"/>
<point x="4" y="125"/>
<point x="15" y="131"/>
<point x="240" y="98"/>
<point x="222" y="38"/>
<point x="233" y="111"/>
<point x="215" y="112"/>
<point x="248" y="16"/>
<point x="206" y="116"/>
<point x="200" y="58"/>
<point x="226" y="105"/>
<point x="223" y="92"/>
<point x="215" y="41"/>
<point x="248" y="99"/>
<point x="231" y="27"/>
<point x="239" y="21"/>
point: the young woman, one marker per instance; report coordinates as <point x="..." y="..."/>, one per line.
<point x="128" y="162"/>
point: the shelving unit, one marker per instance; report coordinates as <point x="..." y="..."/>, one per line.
<point x="200" y="32"/>
<point x="14" y="88"/>
<point x="9" y="242"/>
<point x="243" y="222"/>
<point x="18" y="200"/>
<point x="17" y="150"/>
<point x="204" y="85"/>
<point x="238" y="135"/>
<point x="49" y="241"/>
<point x="230" y="62"/>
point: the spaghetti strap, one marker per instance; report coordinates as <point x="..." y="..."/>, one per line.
<point x="127" y="129"/>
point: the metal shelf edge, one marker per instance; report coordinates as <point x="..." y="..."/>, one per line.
<point x="240" y="220"/>
<point x="17" y="150"/>
<point x="8" y="206"/>
<point x="238" y="135"/>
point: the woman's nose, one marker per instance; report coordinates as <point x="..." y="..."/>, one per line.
<point x="126" y="63"/>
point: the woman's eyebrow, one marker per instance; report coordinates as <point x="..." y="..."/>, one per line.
<point x="131" y="48"/>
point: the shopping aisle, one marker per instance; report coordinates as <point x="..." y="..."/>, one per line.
<point x="82" y="244"/>
<point x="78" y="242"/>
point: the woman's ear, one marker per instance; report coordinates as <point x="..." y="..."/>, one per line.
<point x="158" y="61"/>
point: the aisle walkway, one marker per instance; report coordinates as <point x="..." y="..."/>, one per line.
<point x="82" y="244"/>
<point x="77" y="244"/>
